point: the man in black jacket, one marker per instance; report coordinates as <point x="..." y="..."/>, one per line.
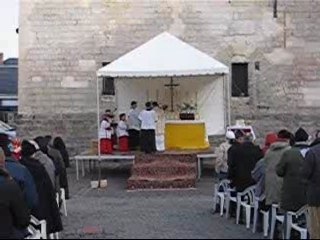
<point x="242" y="158"/>
<point x="14" y="213"/>
<point x="311" y="173"/>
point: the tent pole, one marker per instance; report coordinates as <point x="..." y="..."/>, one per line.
<point x="225" y="101"/>
<point x="98" y="130"/>
<point x="229" y="98"/>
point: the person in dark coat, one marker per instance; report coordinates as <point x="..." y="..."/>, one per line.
<point x="242" y="159"/>
<point x="56" y="155"/>
<point x="48" y="208"/>
<point x="301" y="141"/>
<point x="59" y="144"/>
<point x="311" y="175"/>
<point x="20" y="174"/>
<point x="293" y="192"/>
<point x="14" y="213"/>
<point x="43" y="145"/>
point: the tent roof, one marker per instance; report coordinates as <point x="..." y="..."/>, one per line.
<point x="163" y="56"/>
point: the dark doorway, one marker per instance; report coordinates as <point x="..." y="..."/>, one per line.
<point x="240" y="80"/>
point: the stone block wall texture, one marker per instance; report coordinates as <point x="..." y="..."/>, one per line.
<point x="64" y="42"/>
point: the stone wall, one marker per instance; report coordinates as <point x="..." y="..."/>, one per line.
<point x="63" y="43"/>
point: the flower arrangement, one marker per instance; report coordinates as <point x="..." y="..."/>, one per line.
<point x="187" y="111"/>
<point x="187" y="108"/>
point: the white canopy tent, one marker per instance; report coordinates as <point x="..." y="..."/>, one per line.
<point x="142" y="74"/>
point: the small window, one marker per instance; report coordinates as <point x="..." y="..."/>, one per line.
<point x="108" y="84"/>
<point x="240" y="80"/>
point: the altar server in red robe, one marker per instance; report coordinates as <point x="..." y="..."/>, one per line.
<point x="122" y="132"/>
<point x="105" y="134"/>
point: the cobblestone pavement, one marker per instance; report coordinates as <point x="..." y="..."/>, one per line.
<point x="117" y="213"/>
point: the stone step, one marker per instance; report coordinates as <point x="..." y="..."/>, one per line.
<point x="156" y="170"/>
<point x="165" y="158"/>
<point x="187" y="181"/>
<point x="160" y="171"/>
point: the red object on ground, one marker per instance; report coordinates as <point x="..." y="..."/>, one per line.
<point x="106" y="146"/>
<point x="91" y="230"/>
<point x="124" y="144"/>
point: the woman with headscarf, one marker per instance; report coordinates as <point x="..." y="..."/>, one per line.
<point x="59" y="144"/>
<point x="46" y="162"/>
<point x="48" y="209"/>
<point x="55" y="154"/>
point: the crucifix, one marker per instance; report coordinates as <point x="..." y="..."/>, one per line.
<point x="172" y="85"/>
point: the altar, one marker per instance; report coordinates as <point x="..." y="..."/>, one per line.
<point x="173" y="73"/>
<point x="186" y="135"/>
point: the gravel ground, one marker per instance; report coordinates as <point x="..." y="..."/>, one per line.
<point x="118" y="213"/>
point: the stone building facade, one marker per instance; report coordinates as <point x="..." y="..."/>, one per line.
<point x="64" y="42"/>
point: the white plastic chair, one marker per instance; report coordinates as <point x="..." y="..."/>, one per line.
<point x="34" y="233"/>
<point x="245" y="199"/>
<point x="229" y="199"/>
<point x="291" y="224"/>
<point x="220" y="195"/>
<point x="265" y="215"/>
<point x="63" y="199"/>
<point x="54" y="236"/>
<point x="275" y="217"/>
<point x="42" y="224"/>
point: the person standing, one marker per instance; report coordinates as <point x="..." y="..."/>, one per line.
<point x="311" y="175"/>
<point x="221" y="165"/>
<point x="134" y="126"/>
<point x="148" y="120"/>
<point x="122" y="133"/>
<point x="160" y="127"/>
<point x="105" y="135"/>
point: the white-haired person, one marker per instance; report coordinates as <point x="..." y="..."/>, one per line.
<point x="221" y="165"/>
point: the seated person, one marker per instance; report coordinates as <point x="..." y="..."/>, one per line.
<point x="221" y="164"/>
<point x="14" y="213"/>
<point x="48" y="209"/>
<point x="289" y="168"/>
<point x="20" y="174"/>
<point x="242" y="158"/>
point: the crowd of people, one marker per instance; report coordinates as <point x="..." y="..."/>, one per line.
<point x="136" y="130"/>
<point x="286" y="171"/>
<point x="30" y="183"/>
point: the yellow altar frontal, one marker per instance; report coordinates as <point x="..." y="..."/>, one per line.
<point x="186" y="135"/>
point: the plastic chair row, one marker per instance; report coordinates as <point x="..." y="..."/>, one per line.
<point x="38" y="230"/>
<point x="247" y="200"/>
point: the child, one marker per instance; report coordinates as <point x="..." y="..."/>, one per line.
<point x="122" y="132"/>
<point x="105" y="136"/>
